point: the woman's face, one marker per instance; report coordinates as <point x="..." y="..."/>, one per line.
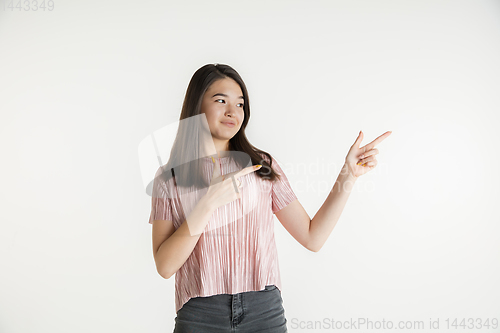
<point x="222" y="104"/>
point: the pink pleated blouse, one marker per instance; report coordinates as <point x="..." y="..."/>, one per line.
<point x="237" y="250"/>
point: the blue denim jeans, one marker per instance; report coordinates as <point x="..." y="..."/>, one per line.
<point x="251" y="311"/>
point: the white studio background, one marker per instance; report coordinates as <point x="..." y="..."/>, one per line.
<point x="82" y="84"/>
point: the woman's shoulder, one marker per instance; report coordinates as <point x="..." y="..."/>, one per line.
<point x="164" y="178"/>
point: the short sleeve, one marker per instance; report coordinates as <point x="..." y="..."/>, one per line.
<point x="281" y="192"/>
<point x="161" y="203"/>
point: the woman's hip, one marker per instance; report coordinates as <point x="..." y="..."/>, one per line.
<point x="251" y="311"/>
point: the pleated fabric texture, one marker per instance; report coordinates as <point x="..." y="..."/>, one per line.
<point x="237" y="250"/>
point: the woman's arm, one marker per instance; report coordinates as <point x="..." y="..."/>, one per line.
<point x="327" y="216"/>
<point x="172" y="248"/>
<point x="312" y="234"/>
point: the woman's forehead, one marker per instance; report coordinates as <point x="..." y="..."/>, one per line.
<point x="224" y="85"/>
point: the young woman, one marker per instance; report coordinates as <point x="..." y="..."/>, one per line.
<point x="212" y="212"/>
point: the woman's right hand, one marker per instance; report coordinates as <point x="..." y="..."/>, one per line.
<point x="222" y="188"/>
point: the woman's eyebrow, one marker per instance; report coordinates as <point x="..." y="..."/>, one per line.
<point x="224" y="95"/>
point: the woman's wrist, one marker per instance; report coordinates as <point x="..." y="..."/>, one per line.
<point x="347" y="172"/>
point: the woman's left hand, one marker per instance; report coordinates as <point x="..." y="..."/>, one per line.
<point x="361" y="160"/>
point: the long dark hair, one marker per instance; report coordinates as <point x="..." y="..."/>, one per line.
<point x="189" y="174"/>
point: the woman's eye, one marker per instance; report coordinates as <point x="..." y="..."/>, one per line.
<point x="241" y="104"/>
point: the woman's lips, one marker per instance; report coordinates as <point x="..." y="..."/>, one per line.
<point x="229" y="124"/>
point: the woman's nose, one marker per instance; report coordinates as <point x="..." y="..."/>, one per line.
<point x="231" y="111"/>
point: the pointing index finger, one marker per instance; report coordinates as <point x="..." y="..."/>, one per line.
<point x="375" y="142"/>
<point x="247" y="170"/>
